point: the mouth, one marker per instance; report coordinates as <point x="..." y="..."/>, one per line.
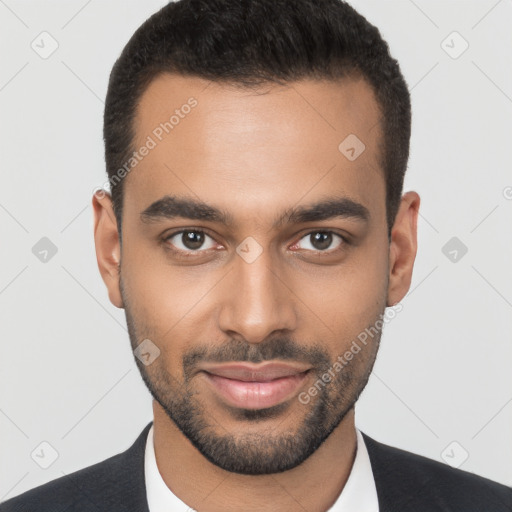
<point x="259" y="386"/>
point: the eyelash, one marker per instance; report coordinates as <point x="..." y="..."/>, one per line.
<point x="192" y="253"/>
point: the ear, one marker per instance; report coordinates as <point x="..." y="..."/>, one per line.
<point x="402" y="249"/>
<point x="108" y="248"/>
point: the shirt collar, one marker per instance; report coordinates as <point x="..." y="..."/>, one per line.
<point x="359" y="492"/>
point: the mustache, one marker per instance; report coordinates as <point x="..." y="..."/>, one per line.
<point x="242" y="351"/>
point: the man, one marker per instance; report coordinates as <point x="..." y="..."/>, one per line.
<point x="256" y="152"/>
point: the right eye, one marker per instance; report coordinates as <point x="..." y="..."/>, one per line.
<point x="188" y="241"/>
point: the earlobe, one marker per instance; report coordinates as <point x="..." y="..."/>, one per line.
<point x="108" y="248"/>
<point x="403" y="247"/>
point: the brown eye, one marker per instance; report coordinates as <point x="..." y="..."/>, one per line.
<point x="321" y="241"/>
<point x="189" y="240"/>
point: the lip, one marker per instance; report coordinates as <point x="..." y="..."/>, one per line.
<point x="255" y="386"/>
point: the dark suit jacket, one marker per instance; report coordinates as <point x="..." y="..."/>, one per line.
<point x="405" y="482"/>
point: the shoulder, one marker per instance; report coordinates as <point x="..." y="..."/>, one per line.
<point x="405" y="479"/>
<point x="66" y="492"/>
<point x="115" y="484"/>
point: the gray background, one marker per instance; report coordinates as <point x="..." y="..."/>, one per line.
<point x="67" y="374"/>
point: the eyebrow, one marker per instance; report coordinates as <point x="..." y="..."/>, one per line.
<point x="171" y="207"/>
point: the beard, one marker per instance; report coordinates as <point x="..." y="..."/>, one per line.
<point x="271" y="450"/>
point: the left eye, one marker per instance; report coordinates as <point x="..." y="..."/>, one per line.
<point x="320" y="240"/>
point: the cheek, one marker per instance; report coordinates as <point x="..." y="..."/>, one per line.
<point x="342" y="303"/>
<point x="153" y="288"/>
<point x="169" y="305"/>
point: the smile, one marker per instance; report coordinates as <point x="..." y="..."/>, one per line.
<point x="255" y="386"/>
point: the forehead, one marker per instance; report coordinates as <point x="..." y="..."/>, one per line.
<point x="255" y="151"/>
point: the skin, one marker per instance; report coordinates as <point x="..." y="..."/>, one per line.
<point x="256" y="154"/>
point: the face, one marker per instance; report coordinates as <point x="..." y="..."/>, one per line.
<point x="255" y="252"/>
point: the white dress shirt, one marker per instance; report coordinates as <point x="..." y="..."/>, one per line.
<point x="359" y="493"/>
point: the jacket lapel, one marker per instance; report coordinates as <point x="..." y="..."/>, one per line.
<point x="400" y="483"/>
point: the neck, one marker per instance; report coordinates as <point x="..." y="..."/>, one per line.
<point x="206" y="487"/>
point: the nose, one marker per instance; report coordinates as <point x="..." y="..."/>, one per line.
<point x="257" y="300"/>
